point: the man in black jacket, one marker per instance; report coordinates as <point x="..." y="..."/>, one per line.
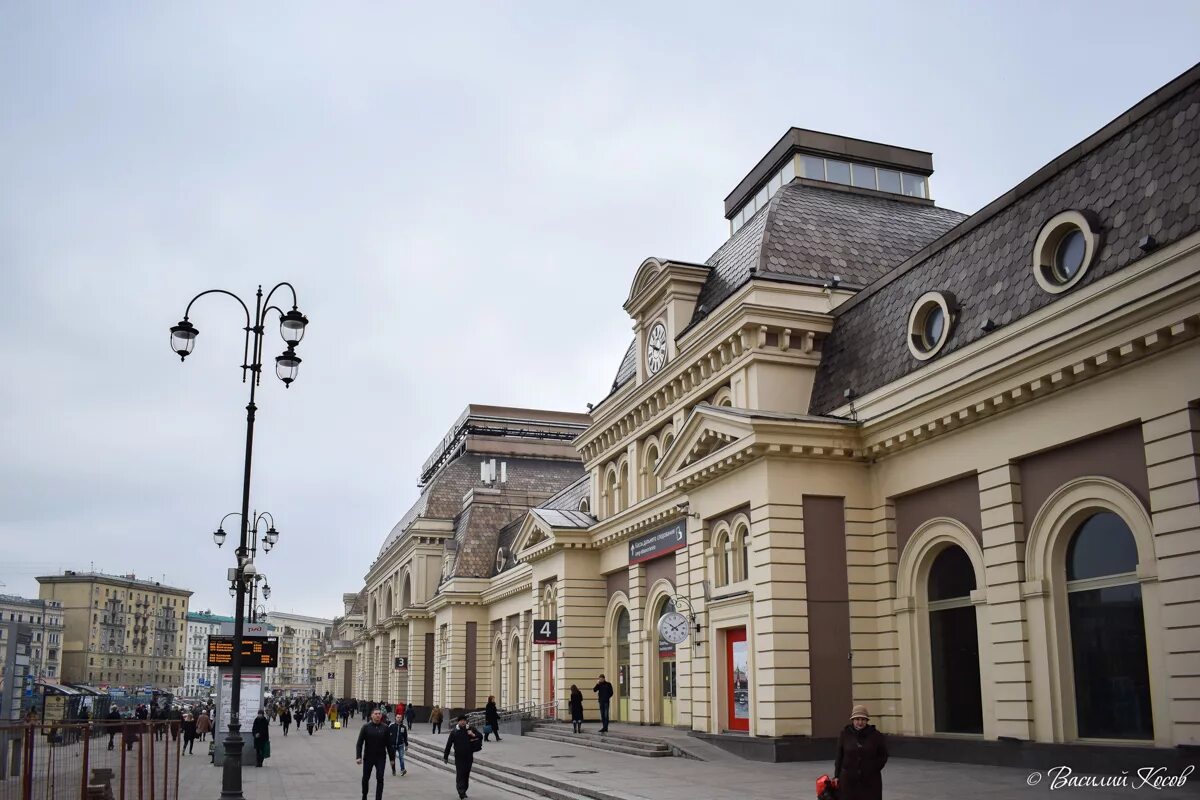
<point x="373" y="749"/>
<point x="604" y="693"/>
<point x="262" y="735"/>
<point x="463" y="741"/>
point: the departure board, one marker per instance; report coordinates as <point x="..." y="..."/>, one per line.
<point x="256" y="651"/>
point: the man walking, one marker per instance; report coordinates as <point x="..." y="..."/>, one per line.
<point x="398" y="735"/>
<point x="604" y="693"/>
<point x="262" y="737"/>
<point x="463" y="741"/>
<point x="371" y="751"/>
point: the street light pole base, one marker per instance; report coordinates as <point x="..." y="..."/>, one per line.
<point x="231" y="774"/>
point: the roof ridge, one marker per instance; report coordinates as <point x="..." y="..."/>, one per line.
<point x="772" y="205"/>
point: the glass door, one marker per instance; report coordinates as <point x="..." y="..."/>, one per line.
<point x="737" y="671"/>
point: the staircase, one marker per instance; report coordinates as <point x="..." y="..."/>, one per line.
<point x="613" y="742"/>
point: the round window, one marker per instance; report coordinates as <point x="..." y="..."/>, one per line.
<point x="1065" y="249"/>
<point x="929" y="324"/>
<point x="1068" y="256"/>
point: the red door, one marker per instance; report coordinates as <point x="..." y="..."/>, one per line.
<point x="737" y="671"/>
<point x="550" y="683"/>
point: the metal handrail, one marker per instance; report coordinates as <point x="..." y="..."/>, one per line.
<point x="521" y="711"/>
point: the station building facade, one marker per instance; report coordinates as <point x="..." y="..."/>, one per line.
<point x="873" y="451"/>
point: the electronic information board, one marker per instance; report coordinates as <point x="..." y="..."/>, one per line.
<point x="256" y="652"/>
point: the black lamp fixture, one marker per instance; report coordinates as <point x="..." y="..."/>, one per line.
<point x="291" y="327"/>
<point x="286" y="366"/>
<point x="219" y="536"/>
<point x="183" y="338"/>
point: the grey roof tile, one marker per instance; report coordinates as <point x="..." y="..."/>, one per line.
<point x="1138" y="181"/>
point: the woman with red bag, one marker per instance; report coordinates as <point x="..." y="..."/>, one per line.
<point x="861" y="755"/>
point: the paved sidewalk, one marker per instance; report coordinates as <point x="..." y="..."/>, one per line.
<point x="322" y="767"/>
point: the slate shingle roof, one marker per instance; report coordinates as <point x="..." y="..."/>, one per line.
<point x="570" y="497"/>
<point x="1141" y="179"/>
<point x="812" y="233"/>
<point x="443" y="495"/>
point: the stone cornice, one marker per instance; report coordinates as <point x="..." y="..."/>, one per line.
<point x="650" y="513"/>
<point x="757" y="332"/>
<point x="514" y="581"/>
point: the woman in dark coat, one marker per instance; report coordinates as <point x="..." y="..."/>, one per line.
<point x="576" y="705"/>
<point x="491" y="718"/>
<point x="262" y="737"/>
<point x="861" y="754"/>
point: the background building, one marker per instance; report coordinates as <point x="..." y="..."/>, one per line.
<point x="301" y="644"/>
<point x="118" y="630"/>
<point x="199" y="678"/>
<point x="45" y="620"/>
<point x="337" y="668"/>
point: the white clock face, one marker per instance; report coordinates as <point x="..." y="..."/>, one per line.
<point x="656" y="348"/>
<point x="673" y="627"/>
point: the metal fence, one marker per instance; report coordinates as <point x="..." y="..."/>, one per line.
<point x="118" y="760"/>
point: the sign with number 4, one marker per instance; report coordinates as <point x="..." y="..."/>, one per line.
<point x="545" y="631"/>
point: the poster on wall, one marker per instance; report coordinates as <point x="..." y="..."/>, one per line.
<point x="740" y="678"/>
<point x="248" y="704"/>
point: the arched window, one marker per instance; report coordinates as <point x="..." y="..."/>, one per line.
<point x="722" y="557"/>
<point x="741" y="553"/>
<point x="623" y="671"/>
<point x="1108" y="633"/>
<point x="612" y="490"/>
<point x="585" y="505"/>
<point x="650" y="485"/>
<point x="623" y="485"/>
<point x="723" y="398"/>
<point x="954" y="644"/>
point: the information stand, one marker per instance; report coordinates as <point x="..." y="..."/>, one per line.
<point x="249" y="704"/>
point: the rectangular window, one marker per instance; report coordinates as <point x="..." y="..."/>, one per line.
<point x="837" y="171"/>
<point x="776" y="182"/>
<point x="789" y="171"/>
<point x="889" y="181"/>
<point x="864" y="176"/>
<point x="761" y="198"/>
<point x="813" y="167"/>
<point x="914" y="185"/>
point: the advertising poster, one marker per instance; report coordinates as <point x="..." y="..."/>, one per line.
<point x="740" y="678"/>
<point x="250" y="701"/>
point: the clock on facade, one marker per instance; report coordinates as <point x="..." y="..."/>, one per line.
<point x="656" y="348"/>
<point x="673" y="627"/>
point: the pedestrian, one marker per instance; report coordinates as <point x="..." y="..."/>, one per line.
<point x="189" y="733"/>
<point x="604" y="693"/>
<point x="310" y="719"/>
<point x="114" y="720"/>
<point x="435" y="718"/>
<point x="285" y="719"/>
<point x="491" y="719"/>
<point x="333" y="716"/>
<point x="203" y="724"/>
<point x="398" y="736"/>
<point x="410" y="715"/>
<point x="576" y="707"/>
<point x="464" y="741"/>
<point x="861" y="755"/>
<point x="262" y="738"/>
<point x="372" y="747"/>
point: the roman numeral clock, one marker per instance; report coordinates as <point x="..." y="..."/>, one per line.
<point x="656" y="348"/>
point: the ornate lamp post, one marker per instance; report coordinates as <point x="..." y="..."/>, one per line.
<point x="292" y="325"/>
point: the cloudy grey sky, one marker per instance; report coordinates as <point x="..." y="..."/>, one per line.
<point x="460" y="194"/>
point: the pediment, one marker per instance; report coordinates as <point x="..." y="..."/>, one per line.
<point x="706" y="431"/>
<point x="533" y="532"/>
<point x="643" y="277"/>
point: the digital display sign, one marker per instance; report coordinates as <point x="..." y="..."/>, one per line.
<point x="256" y="651"/>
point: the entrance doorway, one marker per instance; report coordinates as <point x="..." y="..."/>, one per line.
<point x="622" y="665"/>
<point x="737" y="672"/>
<point x="668" y="687"/>
<point x="548" y="693"/>
<point x="954" y="644"/>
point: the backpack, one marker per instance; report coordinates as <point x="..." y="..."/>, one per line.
<point x="476" y="743"/>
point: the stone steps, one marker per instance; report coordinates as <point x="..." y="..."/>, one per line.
<point x="628" y="745"/>
<point x="511" y="777"/>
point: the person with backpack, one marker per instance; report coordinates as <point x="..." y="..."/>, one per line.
<point x="464" y="741"/>
<point x="861" y="756"/>
<point x="398" y="734"/>
<point x="372" y="747"/>
<point x="435" y="719"/>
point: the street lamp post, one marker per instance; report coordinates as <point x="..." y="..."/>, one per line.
<point x="292" y="325"/>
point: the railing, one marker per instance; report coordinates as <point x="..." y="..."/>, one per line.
<point x="522" y="711"/>
<point x="121" y="760"/>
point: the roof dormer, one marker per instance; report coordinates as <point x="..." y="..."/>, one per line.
<point x="661" y="302"/>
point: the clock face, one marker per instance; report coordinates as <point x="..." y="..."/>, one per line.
<point x="673" y="627"/>
<point x="656" y="348"/>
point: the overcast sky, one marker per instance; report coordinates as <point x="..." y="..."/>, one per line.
<point x="460" y="194"/>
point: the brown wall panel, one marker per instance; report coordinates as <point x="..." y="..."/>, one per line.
<point x="472" y="663"/>
<point x="618" y="582"/>
<point x="659" y="568"/>
<point x="958" y="499"/>
<point x="828" y="591"/>
<point x="1119" y="454"/>
<point x="429" y="669"/>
